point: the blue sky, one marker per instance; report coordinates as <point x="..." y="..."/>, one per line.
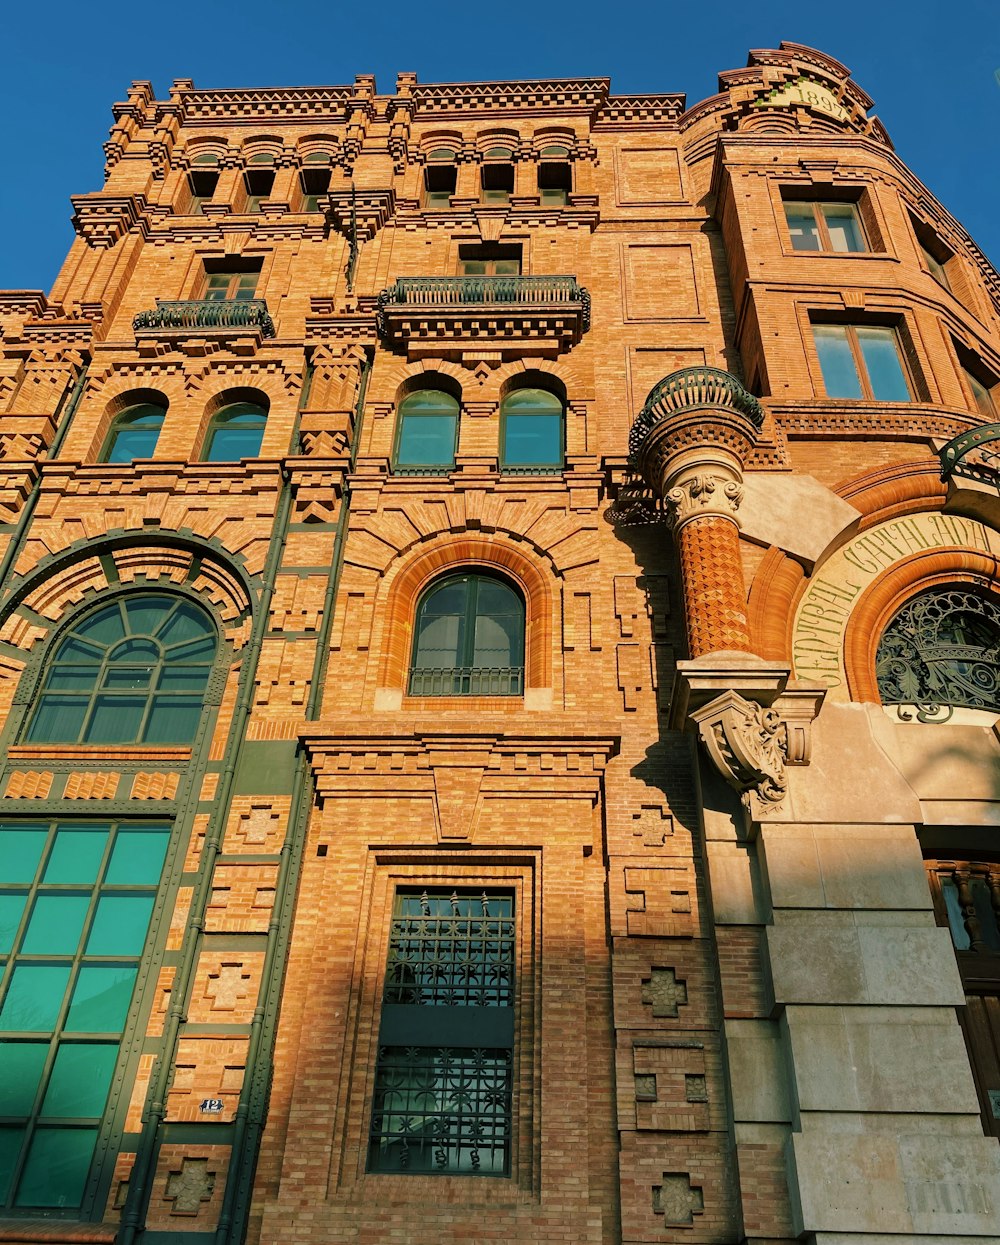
<point x="928" y="64"/>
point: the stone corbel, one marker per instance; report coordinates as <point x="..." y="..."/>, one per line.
<point x="747" y="744"/>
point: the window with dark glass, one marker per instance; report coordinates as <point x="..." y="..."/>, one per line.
<point x="935" y="254"/>
<point x="861" y="361"/>
<point x="427" y="431"/>
<point x="134" y="434"/>
<point x="531" y="431"/>
<point x="468" y="639"/>
<point x="489" y="259"/>
<point x="443" y="1081"/>
<point x="496" y="176"/>
<point x="131" y="672"/>
<point x="315" y="180"/>
<point x="942" y="649"/>
<point x="440" y="177"/>
<point x="231" y="280"/>
<point x="202" y="181"/>
<point x="75" y="907"/>
<point x="235" y="432"/>
<point x="555" y="177"/>
<point x="821" y="226"/>
<point x="259" y="181"/>
<point x="983" y="385"/>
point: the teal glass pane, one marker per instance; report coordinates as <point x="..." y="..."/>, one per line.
<point x="81" y="650"/>
<point x="127" y="444"/>
<point x="885" y="371"/>
<point x="127" y="678"/>
<point x="229" y="445"/>
<point x="56" y="925"/>
<point x="20" y="852"/>
<point x="426" y="440"/>
<point x="173" y="719"/>
<point x="196" y="650"/>
<point x="120" y="925"/>
<point x="76" y="855"/>
<point x="11" y="907"/>
<point x="80" y="1079"/>
<point x="840" y="376"/>
<point x="185" y="623"/>
<point x="59" y="719"/>
<point x="802" y="226"/>
<point x="105" y="626"/>
<point x="101" y="999"/>
<point x="56" y="1169"/>
<point x="22" y="1064"/>
<point x="34" y="997"/>
<point x="184" y="678"/>
<point x="532" y="441"/>
<point x="138" y="857"/>
<point x="844" y="227"/>
<point x="115" y="720"/>
<point x="145" y="614"/>
<point x="71" y="678"/>
<point x="11" y="1140"/>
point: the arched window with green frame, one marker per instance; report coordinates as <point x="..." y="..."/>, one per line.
<point x="134" y="433"/>
<point x="235" y="432"/>
<point x="133" y="671"/>
<point x="426" y="432"/>
<point x="531" y="431"/>
<point x="468" y="638"/>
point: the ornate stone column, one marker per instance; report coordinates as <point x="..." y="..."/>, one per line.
<point x="689" y="444"/>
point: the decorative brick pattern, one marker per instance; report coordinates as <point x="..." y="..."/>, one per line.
<point x="84" y="786"/>
<point x="28" y="785"/>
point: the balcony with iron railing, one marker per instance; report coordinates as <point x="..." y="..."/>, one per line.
<point x="214" y="317"/>
<point x="466" y="681"/>
<point x="515" y="315"/>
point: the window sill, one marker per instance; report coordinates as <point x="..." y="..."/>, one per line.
<point x="164" y="754"/>
<point x="61" y="1231"/>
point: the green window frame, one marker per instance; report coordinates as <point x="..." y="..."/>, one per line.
<point x="76" y="906"/>
<point x="235" y="432"/>
<point x="861" y="361"/>
<point x="133" y="434"/>
<point x="468" y="638"/>
<point x="532" y="432"/>
<point x="426" y="433"/>
<point x="442" y="1103"/>
<point x="131" y="671"/>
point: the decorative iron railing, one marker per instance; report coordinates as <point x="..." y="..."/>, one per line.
<point x="467" y="681"/>
<point x="207" y="314"/>
<point x="974" y="454"/>
<point x="484" y="291"/>
<point x="693" y="387"/>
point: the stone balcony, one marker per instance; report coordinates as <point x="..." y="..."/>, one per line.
<point x="494" y="318"/>
<point x="202" y="326"/>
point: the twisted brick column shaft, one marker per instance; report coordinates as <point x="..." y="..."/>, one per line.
<point x="715" y="604"/>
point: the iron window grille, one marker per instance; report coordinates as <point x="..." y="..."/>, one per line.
<point x="443" y="1081"/>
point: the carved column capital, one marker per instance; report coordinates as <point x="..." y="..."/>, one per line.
<point x="703" y="495"/>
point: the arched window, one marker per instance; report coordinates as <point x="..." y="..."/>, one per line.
<point x="235" y="432"/>
<point x="531" y="431"/>
<point x="132" y="672"/>
<point x="468" y="639"/>
<point x="134" y="434"/>
<point x="942" y="649"/>
<point x="427" y="430"/>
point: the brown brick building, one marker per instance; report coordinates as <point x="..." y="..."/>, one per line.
<point x="500" y="660"/>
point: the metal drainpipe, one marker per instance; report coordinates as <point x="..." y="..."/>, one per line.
<point x="252" y="1109"/>
<point x="134" y="1214"/>
<point x="62" y="427"/>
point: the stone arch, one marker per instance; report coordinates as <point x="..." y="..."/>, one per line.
<point x="105" y="397"/>
<point x="406" y="583"/>
<point x="567" y="375"/>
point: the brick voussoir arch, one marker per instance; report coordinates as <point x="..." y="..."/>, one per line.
<point x="460" y="552"/>
<point x="932" y="568"/>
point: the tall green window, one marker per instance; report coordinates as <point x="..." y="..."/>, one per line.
<point x="75" y="908"/>
<point x="427" y="431"/>
<point x="132" y="672"/>
<point x="531" y="431"/>
<point x="134" y="434"/>
<point x="468" y="639"/>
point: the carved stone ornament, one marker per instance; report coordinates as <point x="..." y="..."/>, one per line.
<point x="703" y="496"/>
<point x="748" y="745"/>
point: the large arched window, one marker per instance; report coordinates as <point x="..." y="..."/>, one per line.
<point x="134" y="434"/>
<point x="235" y="432"/>
<point x="132" y="672"/>
<point x="427" y="431"/>
<point x="468" y="639"/>
<point x="942" y="649"/>
<point x="531" y="431"/>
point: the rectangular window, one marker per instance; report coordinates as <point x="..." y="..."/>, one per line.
<point x="227" y="280"/>
<point x="822" y="226"/>
<point x="315" y="186"/>
<point x="259" y="183"/>
<point x="861" y="361"/>
<point x="439" y="185"/>
<point x="443" y="1082"/>
<point x="489" y="260"/>
<point x="982" y="384"/>
<point x="202" y="183"/>
<point x="497" y="181"/>
<point x="75" y="908"/>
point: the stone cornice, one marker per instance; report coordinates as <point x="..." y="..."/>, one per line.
<point x="314" y="103"/>
<point x="638" y="112"/>
<point x="564" y="95"/>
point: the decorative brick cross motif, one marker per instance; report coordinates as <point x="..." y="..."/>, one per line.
<point x="663" y="992"/>
<point x="653" y="825"/>
<point x="677" y="1199"/>
<point x="189" y="1187"/>
<point x="228" y="987"/>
